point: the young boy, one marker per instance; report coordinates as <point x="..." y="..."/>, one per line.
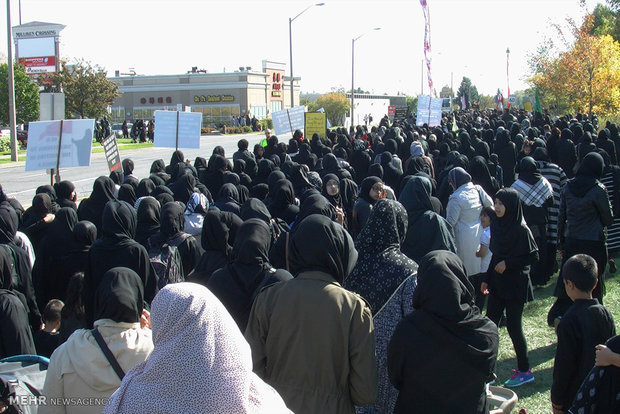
<point x="47" y="339"/>
<point x="585" y="325"/>
<point x="486" y="215"/>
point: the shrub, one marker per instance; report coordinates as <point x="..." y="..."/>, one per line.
<point x="236" y="130"/>
<point x="5" y="144"/>
<point x="266" y="123"/>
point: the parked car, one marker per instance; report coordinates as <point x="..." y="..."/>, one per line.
<point x="22" y="136"/>
<point x="117" y="129"/>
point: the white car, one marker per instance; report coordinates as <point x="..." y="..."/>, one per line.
<point x="117" y="129"/>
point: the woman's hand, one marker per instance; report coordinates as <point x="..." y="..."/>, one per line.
<point x="500" y="267"/>
<point x="49" y="217"/>
<point x="605" y="357"/>
<point x="484" y="288"/>
<point x="145" y="319"/>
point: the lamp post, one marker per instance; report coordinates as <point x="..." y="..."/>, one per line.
<point x="507" y="76"/>
<point x="353" y="72"/>
<point x="290" y="41"/>
<point x="11" y="84"/>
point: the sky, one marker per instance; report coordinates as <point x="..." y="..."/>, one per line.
<point x="468" y="38"/>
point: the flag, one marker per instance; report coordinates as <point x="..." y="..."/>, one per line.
<point x="455" y="127"/>
<point x="427" y="44"/>
<point x="537" y="106"/>
<point x="463" y="102"/>
<point x="500" y="101"/>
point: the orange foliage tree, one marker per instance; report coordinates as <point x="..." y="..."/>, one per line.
<point x="585" y="77"/>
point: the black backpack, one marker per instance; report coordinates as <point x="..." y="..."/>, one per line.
<point x="166" y="261"/>
<point x="10" y="254"/>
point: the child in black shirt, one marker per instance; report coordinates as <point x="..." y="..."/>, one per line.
<point x="585" y="324"/>
<point x="47" y="339"/>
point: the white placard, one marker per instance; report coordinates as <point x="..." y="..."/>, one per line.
<point x="188" y="129"/>
<point x="43" y="137"/>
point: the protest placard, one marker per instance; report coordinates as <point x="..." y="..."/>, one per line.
<point x="315" y="123"/>
<point x="110" y="147"/>
<point x="288" y="120"/>
<point x="49" y="148"/>
<point x="175" y="129"/>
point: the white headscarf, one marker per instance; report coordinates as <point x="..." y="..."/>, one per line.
<point x="200" y="362"/>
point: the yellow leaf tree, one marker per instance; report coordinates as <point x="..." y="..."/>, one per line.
<point x="586" y="77"/>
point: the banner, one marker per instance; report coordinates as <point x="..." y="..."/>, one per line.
<point x="49" y="148"/>
<point x="288" y="120"/>
<point x="527" y="106"/>
<point x="391" y="111"/>
<point x="174" y="129"/>
<point x="429" y="111"/>
<point x="315" y="123"/>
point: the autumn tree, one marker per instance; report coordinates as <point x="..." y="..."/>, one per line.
<point x="336" y="105"/>
<point x="88" y="92"/>
<point x="26" y="95"/>
<point x="586" y="77"/>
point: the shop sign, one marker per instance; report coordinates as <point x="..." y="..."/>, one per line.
<point x="214" y="98"/>
<point x="276" y="93"/>
<point x="152" y="100"/>
<point x="228" y="98"/>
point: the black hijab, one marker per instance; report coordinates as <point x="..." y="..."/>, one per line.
<point x="127" y="194"/>
<point x="510" y="236"/>
<point x="91" y="209"/>
<point x="322" y="245"/>
<point x="479" y="171"/>
<point x="183" y="188"/>
<point x="217" y="237"/>
<point x="365" y="187"/>
<point x="145" y="188"/>
<point x="8" y="224"/>
<point x="119" y="220"/>
<point x="528" y="171"/>
<point x="119" y="296"/>
<point x="148" y="213"/>
<point x="282" y="204"/>
<point x="336" y="200"/>
<point x="64" y="189"/>
<point x="589" y="172"/>
<point x="445" y="310"/>
<point x="51" y="192"/>
<point x="172" y="220"/>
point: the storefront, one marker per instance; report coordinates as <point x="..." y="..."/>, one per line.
<point x="218" y="96"/>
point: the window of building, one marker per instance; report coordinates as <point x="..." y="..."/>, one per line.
<point x="260" y="112"/>
<point x="275" y="106"/>
<point x="215" y="116"/>
<point x="117" y="114"/>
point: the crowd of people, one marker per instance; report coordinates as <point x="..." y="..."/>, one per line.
<point x="343" y="273"/>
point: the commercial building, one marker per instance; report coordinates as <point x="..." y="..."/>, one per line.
<point x="218" y="96"/>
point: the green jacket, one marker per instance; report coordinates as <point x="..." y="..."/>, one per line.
<point x="313" y="341"/>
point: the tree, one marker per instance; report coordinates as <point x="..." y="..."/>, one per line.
<point x="26" y="95"/>
<point x="585" y="77"/>
<point x="469" y="91"/>
<point x="412" y="104"/>
<point x="605" y="22"/>
<point x="487" y="102"/>
<point x="312" y="106"/>
<point x="336" y="105"/>
<point x="88" y="92"/>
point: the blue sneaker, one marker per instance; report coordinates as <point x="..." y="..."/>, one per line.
<point x="519" y="378"/>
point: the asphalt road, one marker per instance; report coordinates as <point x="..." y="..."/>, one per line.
<point x="22" y="184"/>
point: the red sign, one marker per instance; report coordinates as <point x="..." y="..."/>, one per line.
<point x="391" y="111"/>
<point x="43" y="64"/>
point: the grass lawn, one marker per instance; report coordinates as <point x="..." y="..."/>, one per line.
<point x="541" y="343"/>
<point x="124" y="144"/>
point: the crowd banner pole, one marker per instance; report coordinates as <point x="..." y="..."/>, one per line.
<point x="58" y="154"/>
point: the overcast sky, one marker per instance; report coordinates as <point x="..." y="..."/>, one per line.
<point x="468" y="38"/>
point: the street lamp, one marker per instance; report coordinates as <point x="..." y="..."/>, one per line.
<point x="290" y="41"/>
<point x="507" y="76"/>
<point x="353" y="72"/>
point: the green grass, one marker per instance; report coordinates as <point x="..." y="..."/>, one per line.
<point x="8" y="159"/>
<point x="97" y="148"/>
<point x="541" y="344"/>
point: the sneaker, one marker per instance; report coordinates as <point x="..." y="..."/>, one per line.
<point x="519" y="378"/>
